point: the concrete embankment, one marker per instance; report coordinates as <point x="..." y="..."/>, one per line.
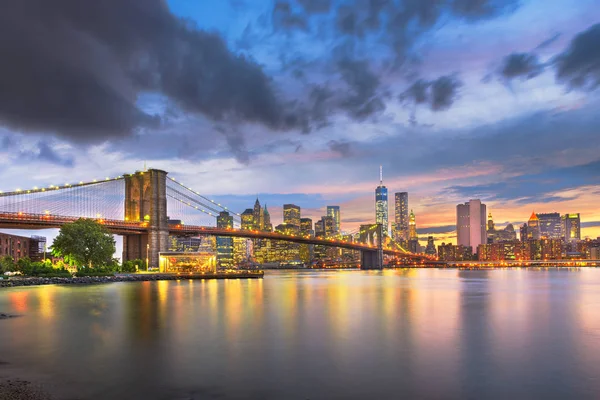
<point x="33" y="281"/>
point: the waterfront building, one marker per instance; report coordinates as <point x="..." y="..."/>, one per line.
<point x="533" y="227"/>
<point x="471" y="224"/>
<point x="451" y="252"/>
<point x="224" y="244"/>
<point x="550" y="225"/>
<point x="334" y="212"/>
<point x="19" y="247"/>
<point x="401" y="221"/>
<point x="291" y="216"/>
<point x="381" y="204"/>
<point x="572" y="227"/>
<point x="551" y="249"/>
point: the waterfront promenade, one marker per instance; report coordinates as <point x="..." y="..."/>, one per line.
<point x="33" y="281"/>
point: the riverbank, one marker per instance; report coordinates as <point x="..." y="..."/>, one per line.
<point x="86" y="280"/>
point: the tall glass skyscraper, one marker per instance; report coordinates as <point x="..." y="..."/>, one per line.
<point x="401" y="216"/>
<point x="334" y="212"/>
<point x="572" y="227"/>
<point x="381" y="204"/>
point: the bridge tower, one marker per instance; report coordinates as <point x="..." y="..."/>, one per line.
<point x="373" y="259"/>
<point x="146" y="201"/>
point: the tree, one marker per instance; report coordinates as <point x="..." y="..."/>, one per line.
<point x="7" y="264"/>
<point x="85" y="242"/>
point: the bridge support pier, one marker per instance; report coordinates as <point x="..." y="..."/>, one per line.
<point x="373" y="259"/>
<point x="146" y="201"/>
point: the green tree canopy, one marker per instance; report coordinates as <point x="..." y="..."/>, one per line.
<point x="84" y="242"/>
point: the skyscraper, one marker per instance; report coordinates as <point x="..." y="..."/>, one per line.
<point x="291" y="215"/>
<point x="259" y="222"/>
<point x="224" y="244"/>
<point x="533" y="227"/>
<point x="471" y="224"/>
<point x="334" y="212"/>
<point x="572" y="227"/>
<point x="381" y="204"/>
<point x="550" y="225"/>
<point x="401" y="216"/>
<point x="412" y="226"/>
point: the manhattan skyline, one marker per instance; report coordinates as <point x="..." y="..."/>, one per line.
<point x="487" y="102"/>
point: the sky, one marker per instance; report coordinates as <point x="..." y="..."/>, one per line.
<point x="301" y="101"/>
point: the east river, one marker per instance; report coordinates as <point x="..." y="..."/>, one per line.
<point x="433" y="334"/>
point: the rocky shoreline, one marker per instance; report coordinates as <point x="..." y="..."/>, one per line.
<point x="86" y="280"/>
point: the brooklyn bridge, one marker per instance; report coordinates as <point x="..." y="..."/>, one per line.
<point x="146" y="207"/>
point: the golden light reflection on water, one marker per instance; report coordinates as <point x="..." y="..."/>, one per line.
<point x="19" y="301"/>
<point x="45" y="297"/>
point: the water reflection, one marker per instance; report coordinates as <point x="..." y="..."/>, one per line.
<point x="335" y="334"/>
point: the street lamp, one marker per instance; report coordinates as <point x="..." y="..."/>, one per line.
<point x="147" y="256"/>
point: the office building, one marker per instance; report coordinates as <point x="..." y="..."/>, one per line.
<point x="401" y="216"/>
<point x="224" y="244"/>
<point x="306" y="226"/>
<point x="430" y="249"/>
<point x="291" y="216"/>
<point x="533" y="227"/>
<point x="381" y="204"/>
<point x="248" y="219"/>
<point x="412" y="227"/>
<point x="471" y="224"/>
<point x="334" y="212"/>
<point x="550" y="225"/>
<point x="572" y="227"/>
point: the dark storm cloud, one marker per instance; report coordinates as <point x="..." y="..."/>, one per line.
<point x="363" y="100"/>
<point x="341" y="147"/>
<point x="76" y="68"/>
<point x="521" y="65"/>
<point x="579" y="65"/>
<point x="438" y="94"/>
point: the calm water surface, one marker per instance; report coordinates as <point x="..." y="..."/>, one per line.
<point x="316" y="335"/>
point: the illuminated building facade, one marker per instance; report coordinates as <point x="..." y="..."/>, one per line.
<point x="381" y="204"/>
<point x="224" y="244"/>
<point x="248" y="220"/>
<point x="533" y="227"/>
<point x="412" y="227"/>
<point x="550" y="225"/>
<point x="450" y="252"/>
<point x="334" y="212"/>
<point x="572" y="227"/>
<point x="471" y="224"/>
<point x="306" y="250"/>
<point x="291" y="216"/>
<point x="401" y="221"/>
